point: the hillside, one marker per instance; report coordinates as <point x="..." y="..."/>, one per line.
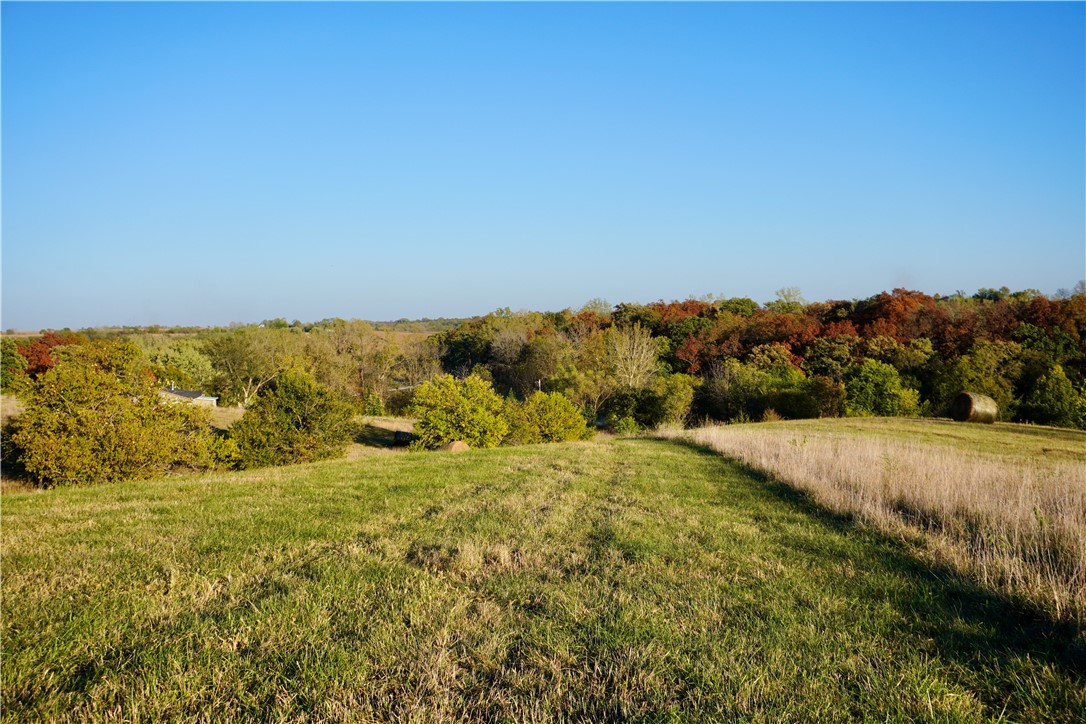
<point x="610" y="580"/>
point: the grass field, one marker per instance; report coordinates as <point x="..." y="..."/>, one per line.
<point x="1003" y="504"/>
<point x="623" y="579"/>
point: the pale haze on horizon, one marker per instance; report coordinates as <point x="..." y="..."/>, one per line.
<point x="205" y="163"/>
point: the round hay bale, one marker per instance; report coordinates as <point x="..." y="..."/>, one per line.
<point x="456" y="446"/>
<point x="974" y="407"/>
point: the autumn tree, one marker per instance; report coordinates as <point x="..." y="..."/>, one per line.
<point x="39" y="352"/>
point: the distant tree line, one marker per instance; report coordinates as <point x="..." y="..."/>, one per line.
<point x="507" y="378"/>
<point x="896" y="353"/>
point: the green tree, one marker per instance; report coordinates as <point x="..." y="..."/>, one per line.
<point x="247" y="360"/>
<point x="672" y="396"/>
<point x="789" y="301"/>
<point x="739" y="306"/>
<point x="1053" y="401"/>
<point x="733" y="391"/>
<point x="97" y="417"/>
<point x="829" y="356"/>
<point x="587" y="378"/>
<point x="294" y="420"/>
<point x="448" y="409"/>
<point x="12" y="364"/>
<point x="180" y="360"/>
<point x="874" y="388"/>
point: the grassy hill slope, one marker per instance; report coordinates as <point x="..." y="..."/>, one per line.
<point x="612" y="580"/>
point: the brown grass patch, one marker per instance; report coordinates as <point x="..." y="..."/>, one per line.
<point x="224" y="417"/>
<point x="1015" y="525"/>
<point x="10" y="406"/>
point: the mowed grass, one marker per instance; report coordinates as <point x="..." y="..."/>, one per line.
<point x="606" y="581"/>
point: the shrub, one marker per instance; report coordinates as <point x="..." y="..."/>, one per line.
<point x="670" y="400"/>
<point x="625" y="426"/>
<point x="1053" y="400"/>
<point x="545" y="417"/>
<point x="874" y="388"/>
<point x="732" y="392"/>
<point x="372" y="405"/>
<point x="398" y="402"/>
<point x="96" y="416"/>
<point x="294" y="420"/>
<point x="448" y="409"/>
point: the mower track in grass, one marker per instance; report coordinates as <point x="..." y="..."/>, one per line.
<point x="615" y="580"/>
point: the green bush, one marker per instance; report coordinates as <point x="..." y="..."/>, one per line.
<point x="624" y="426"/>
<point x="294" y="420"/>
<point x="874" y="388"/>
<point x="372" y="405"/>
<point x="1053" y="401"/>
<point x="669" y="401"/>
<point x="97" y="417"/>
<point x="448" y="409"/>
<point x="544" y="417"/>
<point x="733" y="392"/>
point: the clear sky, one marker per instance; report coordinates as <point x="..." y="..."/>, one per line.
<point x="204" y="163"/>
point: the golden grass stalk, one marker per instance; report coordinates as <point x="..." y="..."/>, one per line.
<point x="1014" y="525"/>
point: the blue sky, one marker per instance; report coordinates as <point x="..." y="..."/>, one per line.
<point x="203" y="163"/>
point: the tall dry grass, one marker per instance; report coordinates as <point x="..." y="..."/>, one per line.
<point x="1015" y="525"/>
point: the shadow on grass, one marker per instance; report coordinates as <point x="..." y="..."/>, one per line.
<point x="979" y="628"/>
<point x="373" y="436"/>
